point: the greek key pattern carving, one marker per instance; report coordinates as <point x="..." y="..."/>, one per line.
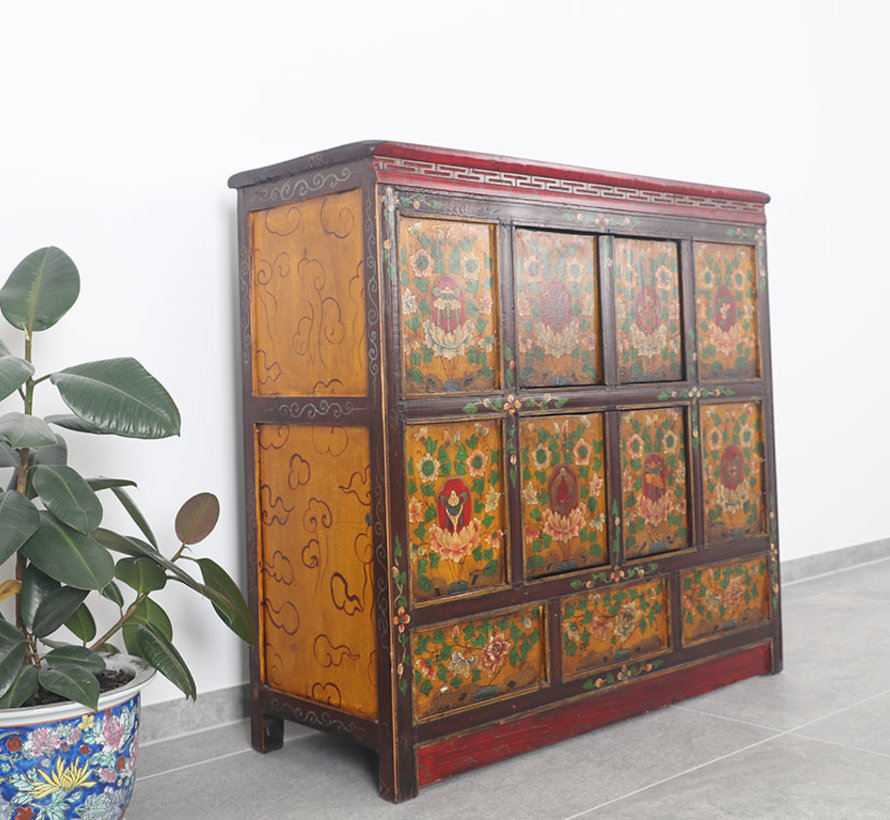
<point x="511" y="181"/>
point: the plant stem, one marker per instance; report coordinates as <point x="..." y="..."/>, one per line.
<point x="21" y="562"/>
<point x="120" y="622"/>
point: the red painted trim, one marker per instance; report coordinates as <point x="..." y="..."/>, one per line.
<point x="443" y="758"/>
<point x="490" y="162"/>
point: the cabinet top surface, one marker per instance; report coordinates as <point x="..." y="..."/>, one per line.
<point x="396" y="162"/>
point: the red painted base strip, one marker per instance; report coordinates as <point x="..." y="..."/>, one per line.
<point x="443" y="758"/>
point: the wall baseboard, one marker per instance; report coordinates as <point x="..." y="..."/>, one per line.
<point x="170" y="719"/>
<point x="799" y="569"/>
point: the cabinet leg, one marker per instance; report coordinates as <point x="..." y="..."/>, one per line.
<point x="398" y="784"/>
<point x="266" y="732"/>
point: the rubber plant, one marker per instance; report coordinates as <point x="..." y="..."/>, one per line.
<point x="65" y="561"/>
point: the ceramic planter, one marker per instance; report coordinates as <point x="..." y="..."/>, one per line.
<point x="66" y="761"/>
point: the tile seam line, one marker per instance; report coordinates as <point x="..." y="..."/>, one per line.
<point x="143" y="778"/>
<point x="192" y="732"/>
<point x="726" y="756"/>
<point x="214" y="759"/>
<point x="842" y="745"/>
<point x="683" y="707"/>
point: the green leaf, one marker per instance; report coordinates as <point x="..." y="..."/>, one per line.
<point x="77" y="656"/>
<point x="68" y="556"/>
<point x="75" y="423"/>
<point x="8" y="456"/>
<point x="21" y="689"/>
<point x="120" y="543"/>
<point x="14" y="373"/>
<point x="55" y="609"/>
<point x="138" y="519"/>
<point x="229" y="603"/>
<point x="82" y="624"/>
<point x="68" y="497"/>
<point x="103" y="483"/>
<point x="119" y="396"/>
<point x="113" y="593"/>
<point x="56" y="453"/>
<point x="71" y="682"/>
<point x="163" y="656"/>
<point x="19" y="520"/>
<point x="142" y="574"/>
<point x="12" y="654"/>
<point x="36" y="585"/>
<point x="21" y="430"/>
<point x="40" y="291"/>
<point x="197" y="518"/>
<point x="148" y="613"/>
<point x="136" y="548"/>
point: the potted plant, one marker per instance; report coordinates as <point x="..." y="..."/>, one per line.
<point x="59" y="562"/>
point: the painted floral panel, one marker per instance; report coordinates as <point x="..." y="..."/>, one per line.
<point x="447" y="285"/>
<point x="80" y="767"/>
<point x="614" y="625"/>
<point x="728" y="596"/>
<point x="647" y="311"/>
<point x="456" y="507"/>
<point x="563" y="493"/>
<point x="726" y="311"/>
<point x="557" y="307"/>
<point x="732" y="464"/>
<point x="653" y="475"/>
<point x="461" y="664"/>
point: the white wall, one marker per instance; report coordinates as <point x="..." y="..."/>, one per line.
<point x="121" y="122"/>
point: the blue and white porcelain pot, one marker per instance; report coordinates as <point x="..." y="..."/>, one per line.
<point x="64" y="760"/>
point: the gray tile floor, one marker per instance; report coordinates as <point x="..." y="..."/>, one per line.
<point x="813" y="742"/>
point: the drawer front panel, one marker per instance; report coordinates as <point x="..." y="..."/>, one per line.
<point x="614" y="625"/>
<point x="461" y="664"/>
<point x="724" y="597"/>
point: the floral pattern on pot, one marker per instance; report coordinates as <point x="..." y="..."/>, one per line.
<point x="732" y="464"/>
<point x="563" y="493"/>
<point x="455" y="507"/>
<point x="726" y="311"/>
<point x="448" y="300"/>
<point x="647" y="311"/>
<point x="81" y="767"/>
<point x="727" y="596"/>
<point x="557" y="309"/>
<point x="614" y="625"/>
<point x="653" y="477"/>
<point x="462" y="664"/>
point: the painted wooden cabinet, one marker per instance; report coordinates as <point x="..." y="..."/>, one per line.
<point x="508" y="447"/>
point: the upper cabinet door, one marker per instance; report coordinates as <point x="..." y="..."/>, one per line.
<point x="448" y="295"/>
<point x="557" y="309"/>
<point x="647" y="311"/>
<point x="726" y="311"/>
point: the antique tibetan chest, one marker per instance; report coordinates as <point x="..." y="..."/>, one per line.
<point x="509" y="450"/>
